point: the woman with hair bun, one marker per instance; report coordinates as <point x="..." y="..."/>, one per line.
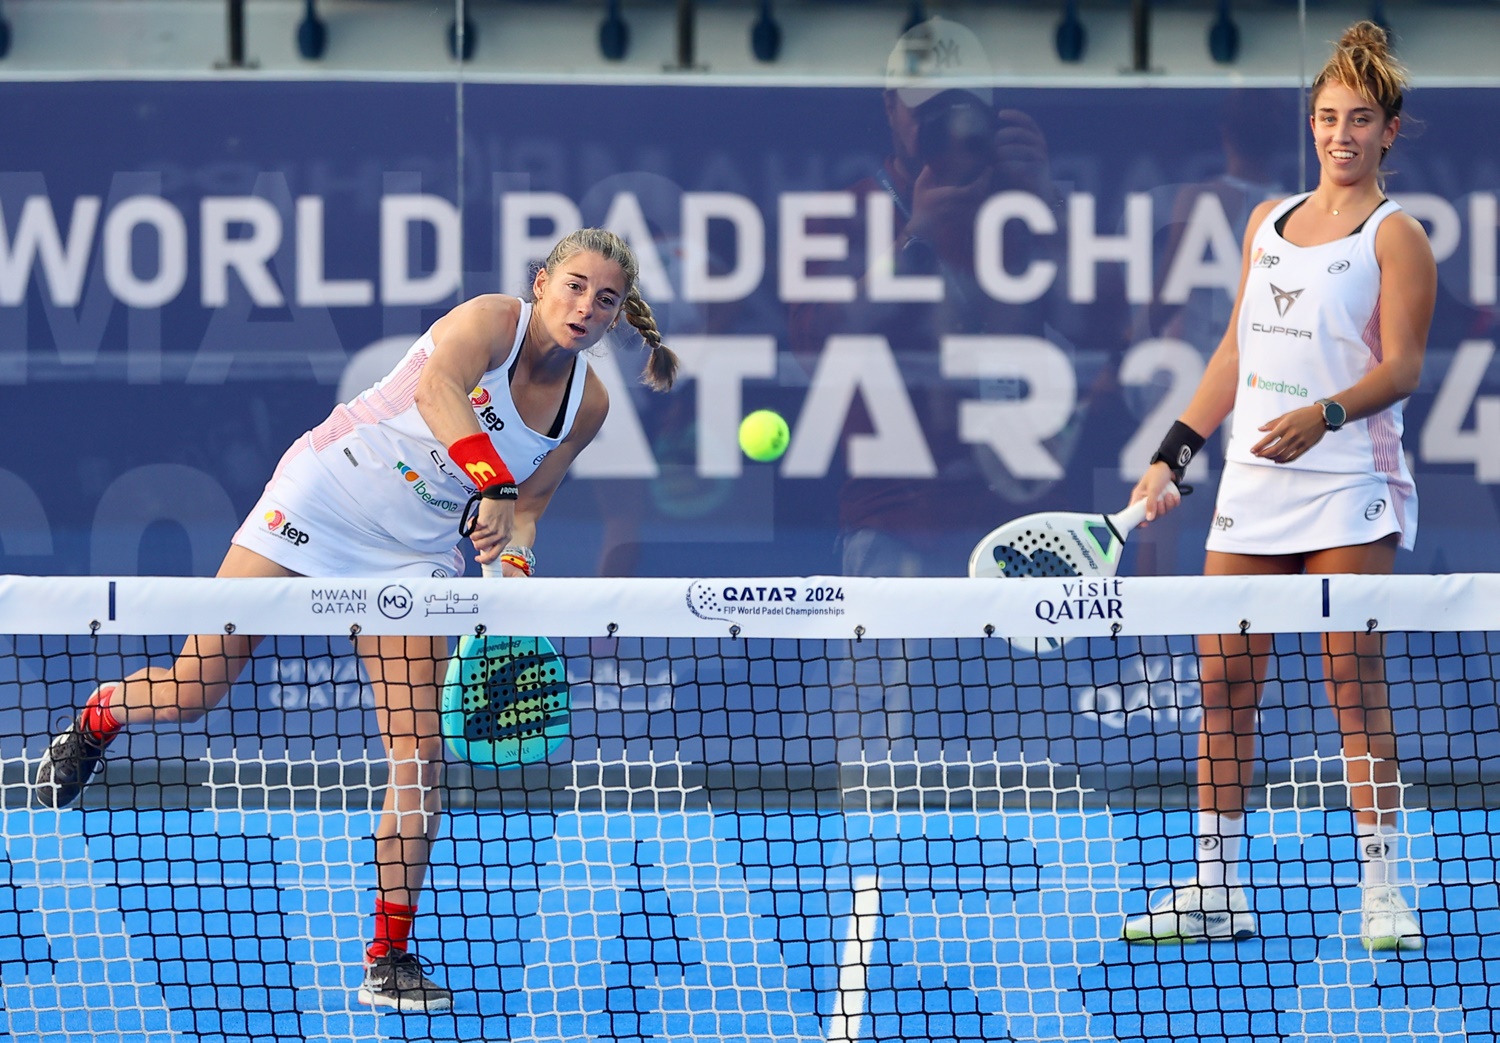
<point x="1325" y="343"/>
<point x="470" y="435"/>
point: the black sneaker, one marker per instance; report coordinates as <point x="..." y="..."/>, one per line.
<point x="70" y="762"/>
<point x="399" y="980"/>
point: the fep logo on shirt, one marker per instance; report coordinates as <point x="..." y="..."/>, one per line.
<point x="277" y="522"/>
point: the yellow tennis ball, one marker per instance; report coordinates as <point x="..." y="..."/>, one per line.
<point x="764" y="435"/>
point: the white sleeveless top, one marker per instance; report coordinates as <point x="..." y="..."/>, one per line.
<point x="1309" y="327"/>
<point x="380" y="450"/>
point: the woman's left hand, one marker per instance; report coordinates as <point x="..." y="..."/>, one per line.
<point x="1291" y="435"/>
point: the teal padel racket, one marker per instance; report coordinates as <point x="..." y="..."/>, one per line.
<point x="505" y="700"/>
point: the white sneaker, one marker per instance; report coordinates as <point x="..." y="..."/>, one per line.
<point x="1191" y="913"/>
<point x="1386" y="922"/>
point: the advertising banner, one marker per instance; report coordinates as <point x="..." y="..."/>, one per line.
<point x="192" y="274"/>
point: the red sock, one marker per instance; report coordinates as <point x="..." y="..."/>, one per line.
<point x="96" y="717"/>
<point x="392" y="928"/>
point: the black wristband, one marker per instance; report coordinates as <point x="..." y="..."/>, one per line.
<point x="1178" y="449"/>
<point x="470" y="518"/>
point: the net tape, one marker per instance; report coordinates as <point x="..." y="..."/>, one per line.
<point x="876" y="820"/>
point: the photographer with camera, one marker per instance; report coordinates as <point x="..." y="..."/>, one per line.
<point x="951" y="150"/>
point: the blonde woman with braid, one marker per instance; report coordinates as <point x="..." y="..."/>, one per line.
<point x="1325" y="343"/>
<point x="475" y="426"/>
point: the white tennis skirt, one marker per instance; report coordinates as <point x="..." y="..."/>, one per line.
<point x="305" y="521"/>
<point x="1267" y="509"/>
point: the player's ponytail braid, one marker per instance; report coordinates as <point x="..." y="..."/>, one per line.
<point x="661" y="366"/>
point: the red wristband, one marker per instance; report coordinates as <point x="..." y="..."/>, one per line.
<point x="476" y="455"/>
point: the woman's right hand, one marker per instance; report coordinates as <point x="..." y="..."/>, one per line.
<point x="497" y="520"/>
<point x="1157" y="489"/>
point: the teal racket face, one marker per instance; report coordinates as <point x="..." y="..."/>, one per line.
<point x="505" y="701"/>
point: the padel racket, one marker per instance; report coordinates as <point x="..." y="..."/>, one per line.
<point x="1056" y="543"/>
<point x="505" y="700"/>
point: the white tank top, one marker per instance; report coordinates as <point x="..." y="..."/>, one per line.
<point x="380" y="450"/>
<point x="1309" y="327"/>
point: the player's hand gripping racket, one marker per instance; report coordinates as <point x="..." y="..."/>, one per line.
<point x="1057" y="543"/>
<point x="505" y="699"/>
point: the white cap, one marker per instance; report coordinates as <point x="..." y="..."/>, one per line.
<point x="936" y="56"/>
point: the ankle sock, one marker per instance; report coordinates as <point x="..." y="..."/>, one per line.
<point x="96" y="718"/>
<point x="392" y="928"/>
<point x="1377" y="853"/>
<point x="1221" y="847"/>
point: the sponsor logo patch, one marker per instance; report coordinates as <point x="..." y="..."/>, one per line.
<point x="730" y="599"/>
<point x="1284" y="299"/>
<point x="340" y="601"/>
<point x="1083" y="599"/>
<point x="491" y="420"/>
<point x="394" y="601"/>
<point x="418" y="485"/>
<point x="1261" y="383"/>
<point x="277" y="522"/>
<point x="1284" y="331"/>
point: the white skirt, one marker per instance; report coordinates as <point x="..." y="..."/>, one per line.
<point x="305" y="521"/>
<point x="1269" y="509"/>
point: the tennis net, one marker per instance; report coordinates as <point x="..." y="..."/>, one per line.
<point x="827" y="809"/>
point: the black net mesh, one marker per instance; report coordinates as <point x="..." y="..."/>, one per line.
<point x="764" y="839"/>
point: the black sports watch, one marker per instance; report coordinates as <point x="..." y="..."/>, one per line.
<point x="1334" y="414"/>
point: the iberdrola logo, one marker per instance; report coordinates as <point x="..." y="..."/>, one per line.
<point x="1256" y="381"/>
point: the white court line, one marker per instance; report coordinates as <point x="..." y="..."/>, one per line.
<point x="848" y="1023"/>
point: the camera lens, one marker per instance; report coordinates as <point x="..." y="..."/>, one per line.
<point x="954" y="122"/>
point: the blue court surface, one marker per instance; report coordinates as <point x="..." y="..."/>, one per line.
<point x="695" y="925"/>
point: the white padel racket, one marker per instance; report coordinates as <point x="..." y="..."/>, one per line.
<point x="1057" y="543"/>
